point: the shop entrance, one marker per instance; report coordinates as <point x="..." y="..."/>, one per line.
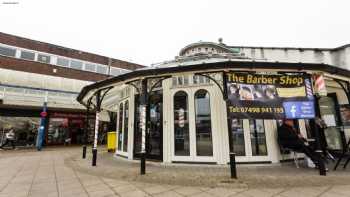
<point x="155" y="137"/>
<point x="192" y="136"/>
<point x="249" y="139"/>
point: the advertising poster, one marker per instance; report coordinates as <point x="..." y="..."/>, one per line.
<point x="345" y="114"/>
<point x="263" y="96"/>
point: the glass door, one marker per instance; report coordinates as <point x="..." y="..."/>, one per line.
<point x="330" y="116"/>
<point x="155" y="137"/>
<point x="122" y="127"/>
<point x="249" y="139"/>
<point x="192" y="126"/>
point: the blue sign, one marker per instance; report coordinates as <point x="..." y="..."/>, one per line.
<point x="299" y="109"/>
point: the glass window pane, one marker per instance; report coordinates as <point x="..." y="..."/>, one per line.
<point x="138" y="134"/>
<point x="62" y="62"/>
<point x="185" y="80"/>
<point x="203" y="124"/>
<point x="120" y="127"/>
<point x="44" y="58"/>
<point x="115" y="71"/>
<point x="7" y="51"/>
<point x="58" y="131"/>
<point x="27" y="55"/>
<point x="76" y="64"/>
<point x="329" y="116"/>
<point x="174" y="81"/>
<point x="101" y="69"/>
<point x="90" y="67"/>
<point x="25" y="129"/>
<point x="238" y="136"/>
<point x="181" y="124"/>
<point x="195" y="79"/>
<point x="126" y="120"/>
<point x="258" y="138"/>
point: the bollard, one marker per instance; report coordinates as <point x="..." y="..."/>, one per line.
<point x="94" y="156"/>
<point x="143" y="164"/>
<point x="84" y="151"/>
<point x="233" y="165"/>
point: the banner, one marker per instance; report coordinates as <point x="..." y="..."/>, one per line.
<point x="263" y="96"/>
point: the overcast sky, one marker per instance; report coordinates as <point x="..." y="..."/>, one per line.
<point x="152" y="31"/>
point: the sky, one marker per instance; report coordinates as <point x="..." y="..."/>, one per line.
<point x="153" y="31"/>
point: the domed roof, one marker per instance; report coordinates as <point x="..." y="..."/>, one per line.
<point x="212" y="45"/>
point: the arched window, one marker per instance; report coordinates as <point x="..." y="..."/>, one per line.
<point x="204" y="141"/>
<point x="126" y="120"/>
<point x="120" y="126"/>
<point x="181" y="124"/>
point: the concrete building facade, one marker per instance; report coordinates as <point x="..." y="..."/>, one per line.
<point x="32" y="72"/>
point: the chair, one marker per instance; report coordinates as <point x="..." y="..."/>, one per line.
<point x="285" y="150"/>
<point x="345" y="154"/>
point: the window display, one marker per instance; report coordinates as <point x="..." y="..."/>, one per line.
<point x="26" y="129"/>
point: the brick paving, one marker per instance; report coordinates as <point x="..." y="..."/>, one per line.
<point x="61" y="172"/>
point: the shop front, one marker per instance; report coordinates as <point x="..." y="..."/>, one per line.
<point x="188" y="119"/>
<point x="67" y="128"/>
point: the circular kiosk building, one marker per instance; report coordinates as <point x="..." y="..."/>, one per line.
<point x="213" y="97"/>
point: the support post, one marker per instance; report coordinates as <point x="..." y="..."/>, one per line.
<point x="321" y="164"/>
<point x="98" y="109"/>
<point x="232" y="155"/>
<point x="143" y="125"/>
<point x="86" y="127"/>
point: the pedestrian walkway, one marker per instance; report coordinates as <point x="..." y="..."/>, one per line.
<point x="57" y="172"/>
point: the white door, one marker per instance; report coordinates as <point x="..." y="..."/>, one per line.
<point x="123" y="128"/>
<point x="192" y="136"/>
<point x="249" y="139"/>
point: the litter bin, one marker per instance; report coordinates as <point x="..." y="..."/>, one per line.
<point x="111" y="141"/>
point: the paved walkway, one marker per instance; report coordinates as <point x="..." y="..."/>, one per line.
<point x="61" y="172"/>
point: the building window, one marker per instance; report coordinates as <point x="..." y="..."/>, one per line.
<point x="120" y="127"/>
<point x="238" y="136"/>
<point x="27" y="55"/>
<point x="204" y="142"/>
<point x="76" y="65"/>
<point x="253" y="53"/>
<point x="7" y="51"/>
<point x="180" y="80"/>
<point x="181" y="124"/>
<point x="90" y="67"/>
<point x="62" y="62"/>
<point x="115" y="71"/>
<point x="44" y="58"/>
<point x="257" y="137"/>
<point x="197" y="79"/>
<point x="126" y="120"/>
<point x="101" y="69"/>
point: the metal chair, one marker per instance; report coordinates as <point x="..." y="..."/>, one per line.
<point x="284" y="151"/>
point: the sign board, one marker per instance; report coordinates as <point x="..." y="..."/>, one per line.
<point x="264" y="96"/>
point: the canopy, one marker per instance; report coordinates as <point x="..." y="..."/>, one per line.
<point x="113" y="87"/>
